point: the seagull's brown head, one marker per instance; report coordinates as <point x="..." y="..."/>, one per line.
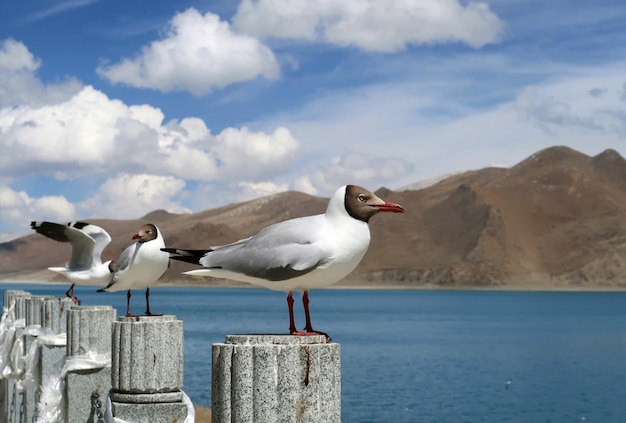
<point x="362" y="204"/>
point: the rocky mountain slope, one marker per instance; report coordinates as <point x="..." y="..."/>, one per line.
<point x="555" y="220"/>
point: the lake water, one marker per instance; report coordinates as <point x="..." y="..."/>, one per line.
<point x="425" y="356"/>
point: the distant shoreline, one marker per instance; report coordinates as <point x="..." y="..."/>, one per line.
<point x="219" y="284"/>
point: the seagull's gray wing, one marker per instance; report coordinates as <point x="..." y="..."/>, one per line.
<point x="125" y="259"/>
<point x="82" y="249"/>
<point x="279" y="252"/>
<point x="101" y="238"/>
<point x="82" y="243"/>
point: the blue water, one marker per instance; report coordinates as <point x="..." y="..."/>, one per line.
<point x="426" y="356"/>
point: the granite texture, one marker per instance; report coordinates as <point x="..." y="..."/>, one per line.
<point x="147" y="369"/>
<point x="276" y="378"/>
<point x="11" y="294"/>
<point x="89" y="329"/>
<point x="150" y="413"/>
<point x="85" y="395"/>
<point x="147" y="354"/>
<point x="33" y="310"/>
<point x="54" y="313"/>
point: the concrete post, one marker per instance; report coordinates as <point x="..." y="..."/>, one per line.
<point x="89" y="330"/>
<point x="15" y="299"/>
<point x="50" y="314"/>
<point x="276" y="378"/>
<point x="34" y="317"/>
<point x="147" y="369"/>
<point x="54" y="313"/>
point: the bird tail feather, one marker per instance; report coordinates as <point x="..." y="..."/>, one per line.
<point x="187" y="256"/>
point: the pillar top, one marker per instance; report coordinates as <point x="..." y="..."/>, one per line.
<point x="268" y="339"/>
<point x="148" y="319"/>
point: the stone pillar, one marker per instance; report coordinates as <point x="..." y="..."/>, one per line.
<point x="89" y="330"/>
<point x="8" y="395"/>
<point x="34" y="316"/>
<point x="276" y="378"/>
<point x="50" y="314"/>
<point x="54" y="313"/>
<point x="147" y="369"/>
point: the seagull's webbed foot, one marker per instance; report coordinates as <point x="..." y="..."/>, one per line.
<point x="311" y="331"/>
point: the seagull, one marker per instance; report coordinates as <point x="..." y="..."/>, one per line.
<point x="298" y="254"/>
<point x="87" y="241"/>
<point x="508" y="383"/>
<point x="140" y="265"/>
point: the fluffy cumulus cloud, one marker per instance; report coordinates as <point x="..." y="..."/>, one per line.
<point x="17" y="208"/>
<point x="128" y="195"/>
<point x="18" y="81"/>
<point x="198" y="53"/>
<point x="372" y="25"/>
<point x="91" y="133"/>
<point x="133" y="161"/>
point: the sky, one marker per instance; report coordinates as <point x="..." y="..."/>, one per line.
<point x="114" y="108"/>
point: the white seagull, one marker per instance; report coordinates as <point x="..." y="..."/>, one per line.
<point x="87" y="241"/>
<point x="298" y="254"/>
<point x="140" y="265"/>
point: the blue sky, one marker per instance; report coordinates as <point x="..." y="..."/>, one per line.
<point x="112" y="109"/>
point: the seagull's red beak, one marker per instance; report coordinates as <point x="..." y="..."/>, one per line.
<point x="136" y="236"/>
<point x="390" y="207"/>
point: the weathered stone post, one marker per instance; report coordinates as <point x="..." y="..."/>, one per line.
<point x="45" y="349"/>
<point x="147" y="369"/>
<point x="276" y="378"/>
<point x="31" y="380"/>
<point x="88" y="380"/>
<point x="14" y="302"/>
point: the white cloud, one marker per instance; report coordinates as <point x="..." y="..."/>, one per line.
<point x="14" y="56"/>
<point x="198" y="53"/>
<point x="131" y="196"/>
<point x="18" y="208"/>
<point x="90" y="134"/>
<point x="374" y="25"/>
<point x="19" y="84"/>
<point x="253" y="155"/>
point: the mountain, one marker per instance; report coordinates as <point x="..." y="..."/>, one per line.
<point x="556" y="220"/>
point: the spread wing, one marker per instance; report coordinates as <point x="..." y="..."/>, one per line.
<point x="87" y="241"/>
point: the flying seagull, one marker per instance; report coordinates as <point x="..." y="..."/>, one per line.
<point x="87" y="241"/>
<point x="298" y="254"/>
<point x="140" y="265"/>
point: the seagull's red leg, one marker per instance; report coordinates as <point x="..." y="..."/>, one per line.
<point x="128" y="305"/>
<point x="292" y="323"/>
<point x="309" y="327"/>
<point x="70" y="294"/>
<point x="307" y="316"/>
<point x="148" y="313"/>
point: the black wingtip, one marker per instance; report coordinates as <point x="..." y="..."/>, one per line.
<point x="187" y="256"/>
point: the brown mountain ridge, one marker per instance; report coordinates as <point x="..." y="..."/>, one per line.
<point x="556" y="220"/>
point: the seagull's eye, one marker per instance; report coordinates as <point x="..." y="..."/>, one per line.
<point x="362" y="198"/>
